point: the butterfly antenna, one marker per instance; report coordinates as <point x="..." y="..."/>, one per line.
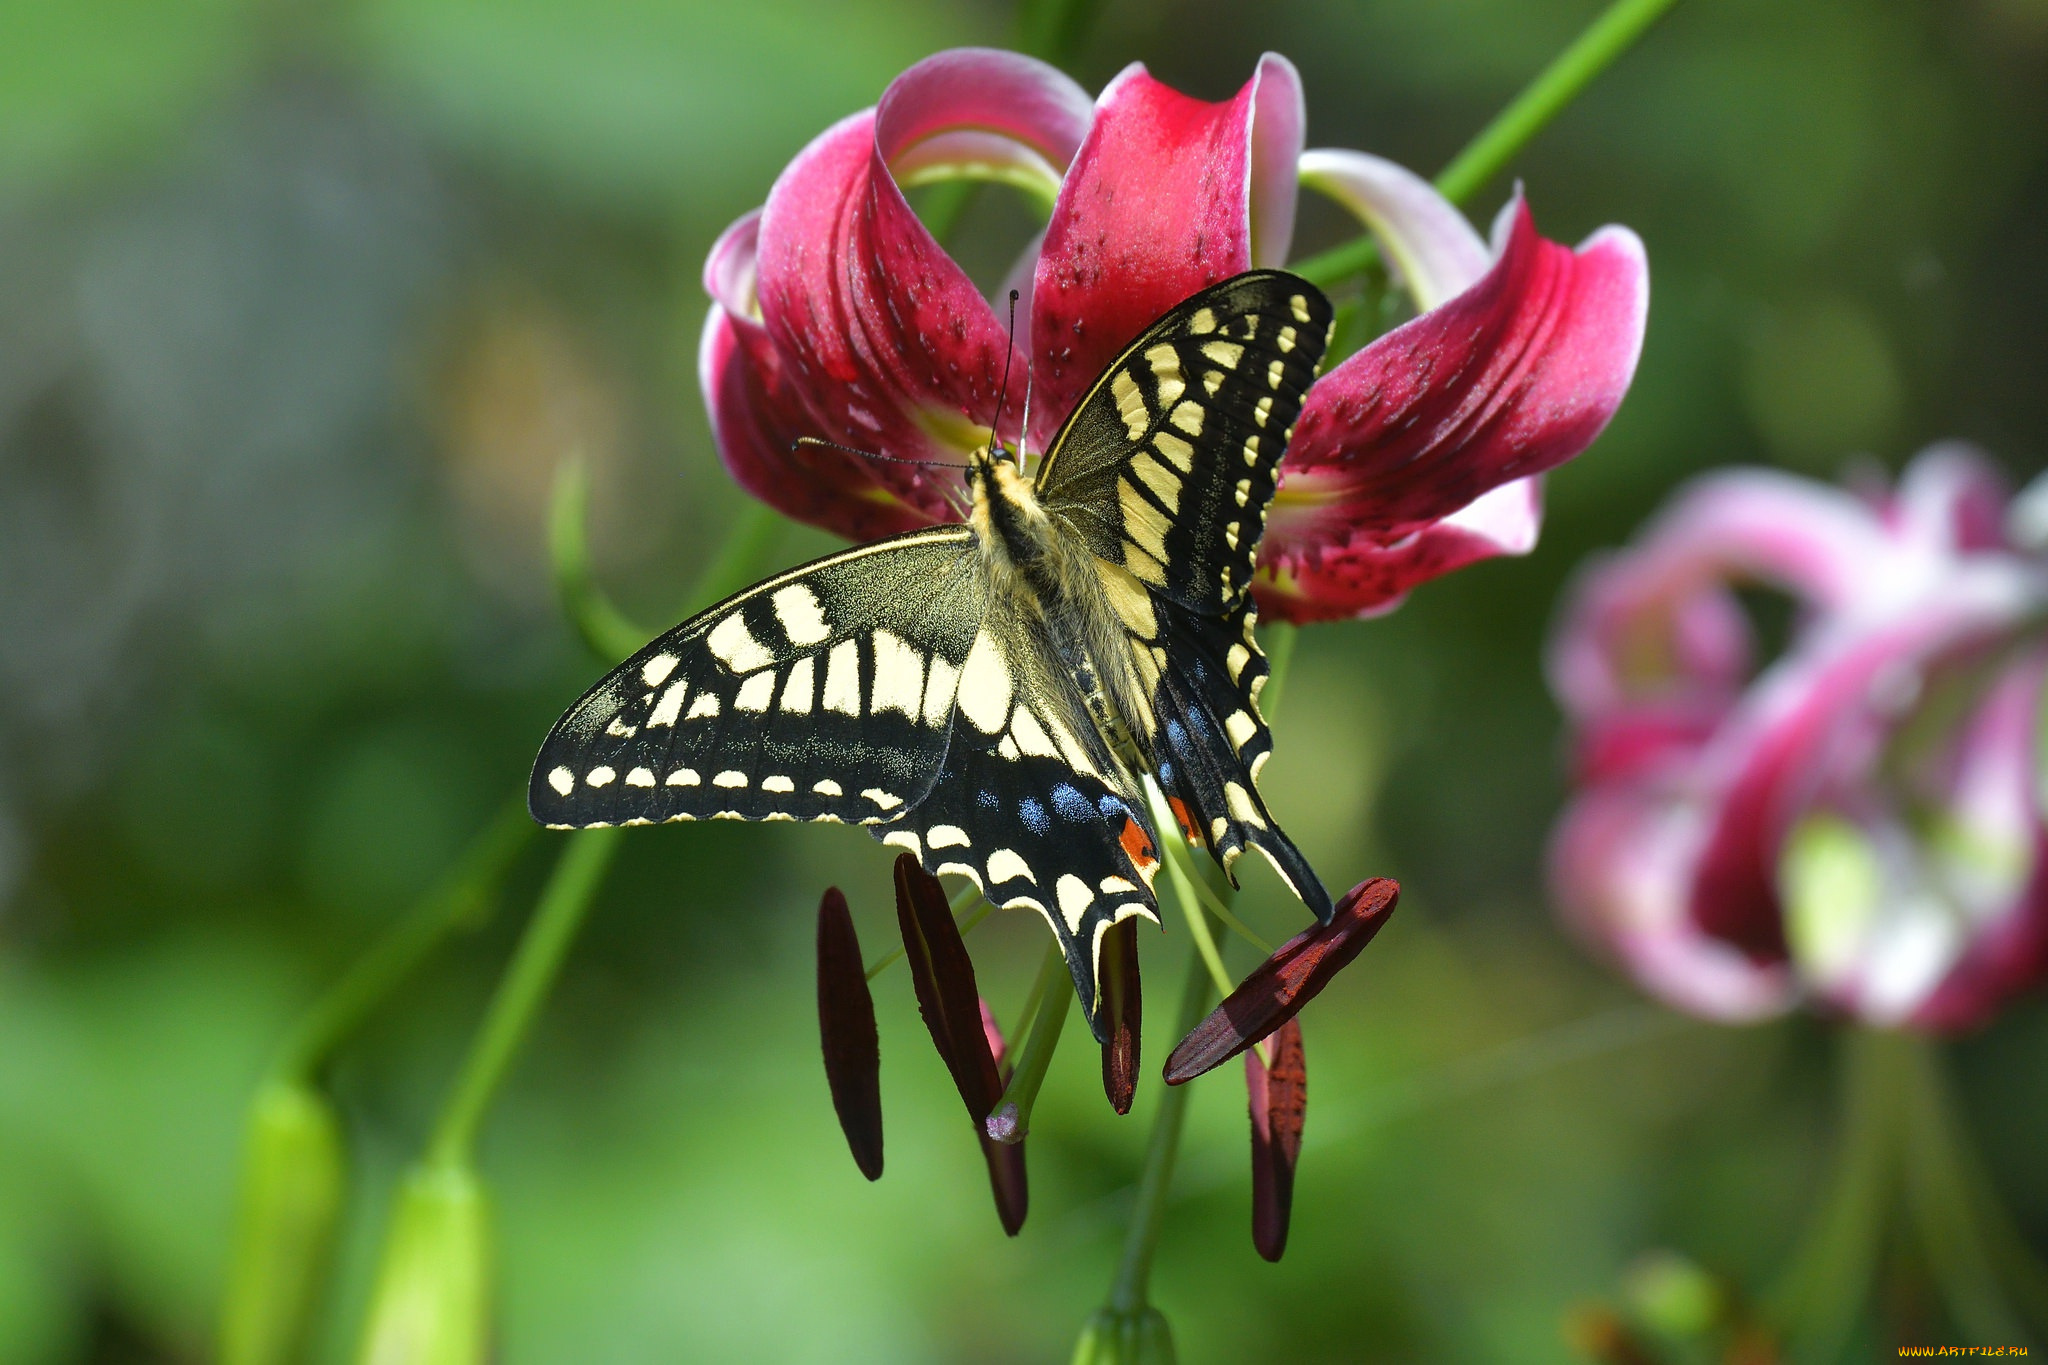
<point x="1003" y="393"/>
<point x="869" y="454"/>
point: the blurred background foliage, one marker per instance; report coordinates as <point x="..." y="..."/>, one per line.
<point x="300" y="306"/>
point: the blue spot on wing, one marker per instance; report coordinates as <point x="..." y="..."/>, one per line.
<point x="1071" y="804"/>
<point x="1032" y="812"/>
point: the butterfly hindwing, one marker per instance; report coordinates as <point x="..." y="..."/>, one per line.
<point x="1167" y="464"/>
<point x="824" y="693"/>
<point x="1212" y="741"/>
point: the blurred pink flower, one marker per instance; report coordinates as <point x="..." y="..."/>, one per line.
<point x="1855" y="824"/>
<point x="837" y="315"/>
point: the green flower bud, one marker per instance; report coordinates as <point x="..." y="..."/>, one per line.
<point x="293" y="1179"/>
<point x="432" y="1301"/>
<point x="1118" y="1338"/>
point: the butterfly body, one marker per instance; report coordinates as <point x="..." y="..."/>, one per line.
<point x="994" y="695"/>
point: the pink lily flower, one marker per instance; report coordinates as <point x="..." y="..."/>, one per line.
<point x="839" y="316"/>
<point x="1857" y="823"/>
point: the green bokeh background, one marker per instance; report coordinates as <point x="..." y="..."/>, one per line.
<point x="301" y="303"/>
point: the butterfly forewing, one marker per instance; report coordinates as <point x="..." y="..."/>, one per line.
<point x="1168" y="463"/>
<point x="824" y="693"/>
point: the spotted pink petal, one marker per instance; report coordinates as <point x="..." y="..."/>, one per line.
<point x="1168" y="195"/>
<point x="889" y="344"/>
<point x="1512" y="377"/>
<point x="757" y="413"/>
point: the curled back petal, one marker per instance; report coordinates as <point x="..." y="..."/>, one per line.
<point x="984" y="113"/>
<point x="1951" y="499"/>
<point x="1435" y="254"/>
<point x="1159" y="203"/>
<point x="846" y="1030"/>
<point x="1367" y="578"/>
<point x="1659" y="625"/>
<point x="1278" y="988"/>
<point x="1512" y="377"/>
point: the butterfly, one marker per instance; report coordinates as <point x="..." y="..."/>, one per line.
<point x="993" y="695"/>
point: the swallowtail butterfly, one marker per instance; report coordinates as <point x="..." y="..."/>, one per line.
<point x="991" y="695"/>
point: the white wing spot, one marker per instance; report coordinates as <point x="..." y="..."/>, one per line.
<point x="1285" y="341"/>
<point x="1165" y="363"/>
<point x="756" y="692"/>
<point x="1264" y="410"/>
<point x="736" y="646"/>
<point x="1030" y="735"/>
<point x="1130" y="404"/>
<point x="1175" y="449"/>
<point x="985" y="685"/>
<point x="903" y="838"/>
<point x="1238" y="657"/>
<point x="1203" y="322"/>
<point x="825" y="786"/>
<point x="640" y="777"/>
<point x="684" y="777"/>
<point x="939" y="688"/>
<point x="656" y="670"/>
<point x="731" y="777"/>
<point x="778" y="783"/>
<point x="1117" y="885"/>
<point x="842" y="678"/>
<point x="947" y="836"/>
<point x="802" y="618"/>
<point x="600" y="776"/>
<point x="1212" y="382"/>
<point x="1244" y="491"/>
<point x="899" y="676"/>
<point x="1188" y="417"/>
<point x="704" y="708"/>
<point x="1005" y="864"/>
<point x="1298" y="305"/>
<point x="1224" y="353"/>
<point x="796" y="693"/>
<point x="886" y="800"/>
<point x="671" y="704"/>
<point x="621" y="729"/>
<point x="1276" y="372"/>
<point x="1242" y="806"/>
<point x="562" y="780"/>
<point x="1075" y="898"/>
<point x="1240" y="727"/>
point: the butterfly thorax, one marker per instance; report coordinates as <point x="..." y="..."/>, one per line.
<point x="1044" y="573"/>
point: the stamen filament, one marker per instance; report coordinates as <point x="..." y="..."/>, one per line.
<point x="1051" y="996"/>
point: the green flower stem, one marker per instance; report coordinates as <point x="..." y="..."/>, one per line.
<point x="1278" y="641"/>
<point x="1052" y="996"/>
<point x="460" y="901"/>
<point x="608" y="632"/>
<point x="1823" y="1293"/>
<point x="1976" y="1256"/>
<point x="1498" y="143"/>
<point x="1128" y="1293"/>
<point x="564" y="903"/>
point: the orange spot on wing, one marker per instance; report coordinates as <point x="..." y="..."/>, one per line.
<point x="1187" y="820"/>
<point x="1138" y="845"/>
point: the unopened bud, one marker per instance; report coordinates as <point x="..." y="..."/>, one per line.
<point x="432" y="1301"/>
<point x="293" y="1179"/>
<point x="1113" y="1337"/>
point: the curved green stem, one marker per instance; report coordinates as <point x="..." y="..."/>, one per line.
<point x="460" y="901"/>
<point x="542" y="948"/>
<point x="1052" y="998"/>
<point x="1133" y="1281"/>
<point x="1498" y="143"/>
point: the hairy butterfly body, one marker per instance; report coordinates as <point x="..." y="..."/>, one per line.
<point x="991" y="696"/>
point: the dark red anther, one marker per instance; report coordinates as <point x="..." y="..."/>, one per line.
<point x="1279" y="1103"/>
<point x="846" y="1031"/>
<point x="1284" y="982"/>
<point x="1122" y="1008"/>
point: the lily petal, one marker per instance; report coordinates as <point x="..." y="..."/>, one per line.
<point x="1366" y="578"/>
<point x="846" y="1030"/>
<point x="1435" y="254"/>
<point x="1279" y="1104"/>
<point x="1278" y="988"/>
<point x="1161" y="201"/>
<point x="1951" y="498"/>
<point x="1512" y="377"/>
